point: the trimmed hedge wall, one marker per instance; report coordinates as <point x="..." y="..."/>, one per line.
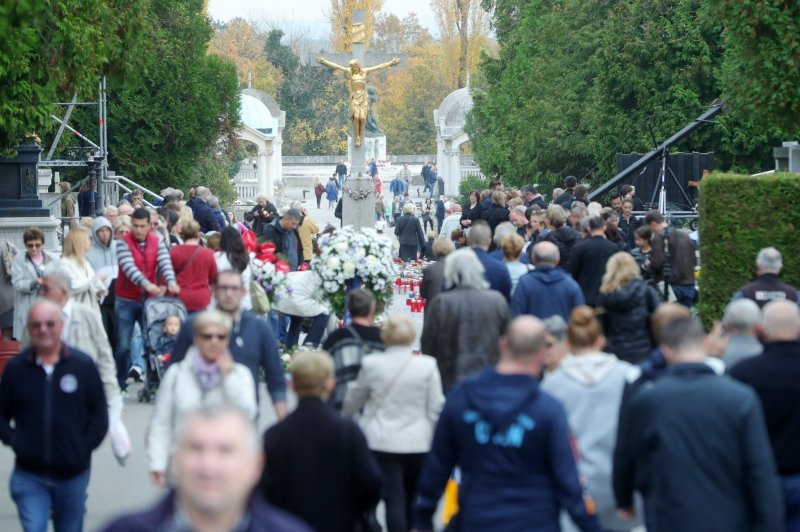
<point x="739" y="215"/>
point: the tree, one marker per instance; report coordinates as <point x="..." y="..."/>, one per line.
<point x="182" y="110"/>
<point x="464" y="29"/>
<point x="408" y="98"/>
<point x="761" y="74"/>
<point x="51" y="49"/>
<point x="242" y="43"/>
<point x="394" y="35"/>
<point x="341" y="17"/>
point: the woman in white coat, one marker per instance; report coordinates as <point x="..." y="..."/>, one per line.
<point x="206" y="376"/>
<point x="401" y="394"/>
<point x="86" y="284"/>
<point x="27" y="270"/>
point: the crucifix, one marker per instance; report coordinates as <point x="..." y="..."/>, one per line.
<point x="357" y="84"/>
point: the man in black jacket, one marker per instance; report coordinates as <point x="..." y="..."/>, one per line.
<point x="696" y="445"/>
<point x="263" y="213"/>
<point x="283" y="233"/>
<point x="566" y="197"/>
<point x="775" y="376"/>
<point x="409" y="234"/>
<point x="54" y="396"/>
<point x="588" y="259"/>
<point x="767" y="286"/>
<point x="341" y="172"/>
<point x="682" y="258"/>
<point x="319" y="467"/>
<point x="203" y="214"/>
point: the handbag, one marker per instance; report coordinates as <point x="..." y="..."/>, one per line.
<point x="258" y="298"/>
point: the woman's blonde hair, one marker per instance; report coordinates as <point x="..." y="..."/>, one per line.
<point x="621" y="269"/>
<point x="583" y="329"/>
<point x="75" y="244"/>
<point x="409" y="207"/>
<point x="311" y="371"/>
<point x="499" y="198"/>
<point x="211" y="317"/>
<point x="399" y="330"/>
<point x="512" y="246"/>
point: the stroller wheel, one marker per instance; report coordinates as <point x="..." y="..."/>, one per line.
<point x="142" y="395"/>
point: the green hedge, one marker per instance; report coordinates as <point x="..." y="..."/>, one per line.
<point x="739" y="215"/>
<point x="469" y="183"/>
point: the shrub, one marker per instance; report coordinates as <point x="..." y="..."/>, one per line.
<point x="739" y="215"/>
<point x="469" y="183"/>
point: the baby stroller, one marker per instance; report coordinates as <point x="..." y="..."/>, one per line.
<point x="156" y="311"/>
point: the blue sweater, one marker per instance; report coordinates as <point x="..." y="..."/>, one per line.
<point x="544" y="292"/>
<point x="252" y="344"/>
<point x="512" y="443"/>
<point x="495" y="272"/>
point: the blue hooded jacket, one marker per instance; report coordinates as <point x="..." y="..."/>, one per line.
<point x="513" y="445"/>
<point x="544" y="292"/>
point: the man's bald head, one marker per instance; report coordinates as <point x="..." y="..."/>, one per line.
<point x="526" y="337"/>
<point x="665" y="314"/>
<point x="546" y="253"/>
<point x="781" y="321"/>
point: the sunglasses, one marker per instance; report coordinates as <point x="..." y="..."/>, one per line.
<point x="208" y="336"/>
<point x="41" y="324"/>
<point x="33" y="245"/>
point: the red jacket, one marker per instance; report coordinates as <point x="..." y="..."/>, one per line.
<point x="146" y="262"/>
<point x="195" y="274"/>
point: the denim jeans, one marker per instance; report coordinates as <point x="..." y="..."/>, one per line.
<point x="35" y="496"/>
<point x="685" y="294"/>
<point x="128" y="313"/>
<point x="314" y="337"/>
<point x="791" y="497"/>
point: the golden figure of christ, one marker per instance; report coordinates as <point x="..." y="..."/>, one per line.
<point x="357" y="84"/>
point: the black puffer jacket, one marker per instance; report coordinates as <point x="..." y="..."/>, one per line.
<point x="564" y="238"/>
<point x="626" y="321"/>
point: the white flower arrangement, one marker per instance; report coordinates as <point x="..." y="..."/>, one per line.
<point x="272" y="279"/>
<point x="354" y="253"/>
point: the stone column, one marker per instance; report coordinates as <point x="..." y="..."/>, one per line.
<point x="453" y="177"/>
<point x="269" y="166"/>
<point x="358" y="211"/>
<point x="263" y="173"/>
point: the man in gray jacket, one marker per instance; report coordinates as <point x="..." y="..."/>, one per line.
<point x="103" y="258"/>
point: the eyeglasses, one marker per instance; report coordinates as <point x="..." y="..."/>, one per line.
<point x="33" y="245"/>
<point x="228" y="288"/>
<point x="42" y="324"/>
<point x="208" y="336"/>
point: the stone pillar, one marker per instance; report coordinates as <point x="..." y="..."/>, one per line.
<point x="358" y="211"/>
<point x="263" y="173"/>
<point x="277" y="149"/>
<point x="453" y="176"/>
<point x="270" y="171"/>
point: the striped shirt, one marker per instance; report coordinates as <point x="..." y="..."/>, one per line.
<point x="128" y="265"/>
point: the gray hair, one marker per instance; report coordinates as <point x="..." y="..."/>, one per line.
<point x="741" y="315"/>
<point x="215" y="411"/>
<point x="682" y="334"/>
<point x="556" y="326"/>
<point x="479" y="235"/>
<point x="558" y="191"/>
<point x="503" y="230"/>
<point x="213" y="201"/>
<point x="110" y="209"/>
<point x="463" y="269"/>
<point x="769" y="260"/>
<point x="294" y="214"/>
<point x="546" y="253"/>
<point x="61" y="278"/>
<point x="202" y="193"/>
<point x="579" y="209"/>
<point x="408" y="207"/>
<point x="296" y="204"/>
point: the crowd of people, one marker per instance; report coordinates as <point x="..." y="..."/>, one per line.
<point x="561" y="381"/>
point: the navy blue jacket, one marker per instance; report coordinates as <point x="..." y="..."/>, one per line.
<point x="497" y="254"/>
<point x="203" y="215"/>
<point x="513" y="445"/>
<point x="252" y="344"/>
<point x="696" y="446"/>
<point x="495" y="273"/>
<point x="58" y="420"/>
<point x="259" y="516"/>
<point x="775" y="376"/>
<point x="545" y="292"/>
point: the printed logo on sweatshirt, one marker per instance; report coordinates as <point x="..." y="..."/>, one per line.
<point x="68" y="383"/>
<point x="513" y="436"/>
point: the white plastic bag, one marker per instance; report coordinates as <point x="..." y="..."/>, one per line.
<point x="120" y="439"/>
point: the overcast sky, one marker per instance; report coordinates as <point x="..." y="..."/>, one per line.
<point x="310" y="13"/>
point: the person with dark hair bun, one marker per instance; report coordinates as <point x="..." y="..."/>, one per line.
<point x="589" y="384"/>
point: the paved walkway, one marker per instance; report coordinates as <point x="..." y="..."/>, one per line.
<point x="113" y="489"/>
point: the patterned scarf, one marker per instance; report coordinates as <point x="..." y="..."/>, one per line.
<point x="207" y="373"/>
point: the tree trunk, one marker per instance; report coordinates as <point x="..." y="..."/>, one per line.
<point x="462" y="8"/>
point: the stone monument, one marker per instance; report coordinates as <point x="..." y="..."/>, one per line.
<point x="358" y="202"/>
<point x="20" y="205"/>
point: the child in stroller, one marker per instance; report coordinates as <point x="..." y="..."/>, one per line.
<point x="161" y="314"/>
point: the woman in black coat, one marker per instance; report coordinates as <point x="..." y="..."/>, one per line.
<point x="409" y="233"/>
<point x="472" y="210"/>
<point x="498" y="212"/>
<point x="627" y="303"/>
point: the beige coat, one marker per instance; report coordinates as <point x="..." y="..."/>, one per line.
<point x="402" y="396"/>
<point x="308" y="229"/>
<point x="24" y="277"/>
<point x="86" y="333"/>
<point x="179" y="393"/>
